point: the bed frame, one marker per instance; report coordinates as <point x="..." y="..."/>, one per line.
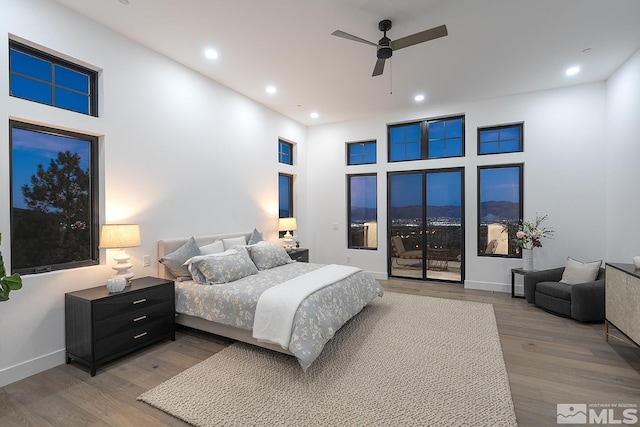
<point x="170" y="245"/>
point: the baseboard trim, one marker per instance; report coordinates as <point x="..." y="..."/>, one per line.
<point x="488" y="286"/>
<point x="378" y="275"/>
<point x="31" y="367"/>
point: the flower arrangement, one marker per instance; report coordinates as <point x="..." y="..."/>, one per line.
<point x="529" y="234"/>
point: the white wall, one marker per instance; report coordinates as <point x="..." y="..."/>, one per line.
<point x="623" y="157"/>
<point x="564" y="134"/>
<point x="180" y="155"/>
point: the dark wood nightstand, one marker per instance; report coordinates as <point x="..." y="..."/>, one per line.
<point x="299" y="254"/>
<point x="101" y="326"/>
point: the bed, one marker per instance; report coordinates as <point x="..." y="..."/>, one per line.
<point x="235" y="298"/>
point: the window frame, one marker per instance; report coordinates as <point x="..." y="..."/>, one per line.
<point x="424" y="137"/>
<point x="368" y="142"/>
<point x="350" y="244"/>
<point x="94" y="177"/>
<point x="54" y="60"/>
<point x="290" y="178"/>
<point x="518" y="125"/>
<point x="512" y="250"/>
<point x="289" y="145"/>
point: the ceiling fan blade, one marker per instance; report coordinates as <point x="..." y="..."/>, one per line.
<point x="423" y="36"/>
<point x="348" y="36"/>
<point x="379" y="68"/>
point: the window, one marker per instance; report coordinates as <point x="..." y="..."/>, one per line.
<point x="404" y="142"/>
<point x="285" y="152"/>
<point x="54" y="198"/>
<point x="428" y="139"/>
<point x="445" y="138"/>
<point x="285" y="195"/>
<point x="500" y="139"/>
<point x="44" y="78"/>
<point x="499" y="208"/>
<point x="363" y="211"/>
<point x="361" y="153"/>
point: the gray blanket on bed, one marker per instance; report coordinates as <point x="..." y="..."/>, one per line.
<point x="316" y="321"/>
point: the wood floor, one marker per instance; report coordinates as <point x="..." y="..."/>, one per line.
<point x="550" y="360"/>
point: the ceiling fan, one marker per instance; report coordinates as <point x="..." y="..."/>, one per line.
<point x="386" y="46"/>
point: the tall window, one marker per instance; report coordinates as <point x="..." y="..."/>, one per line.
<point x="285" y="195"/>
<point x="285" y="152"/>
<point x="427" y="139"/>
<point x="47" y="79"/>
<point x="500" y="139"/>
<point x="363" y="211"/>
<point x="499" y="208"/>
<point x="361" y="153"/>
<point x="54" y="198"/>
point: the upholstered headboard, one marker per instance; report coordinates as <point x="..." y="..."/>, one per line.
<point x="169" y="245"/>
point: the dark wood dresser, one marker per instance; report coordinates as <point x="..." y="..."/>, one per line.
<point x="101" y="326"/>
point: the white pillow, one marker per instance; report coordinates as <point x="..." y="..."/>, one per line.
<point x="234" y="241"/>
<point x="212" y="248"/>
<point x="577" y="272"/>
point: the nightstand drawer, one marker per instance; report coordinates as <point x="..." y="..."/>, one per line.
<point x="132" y="338"/>
<point x="125" y="303"/>
<point x="133" y="319"/>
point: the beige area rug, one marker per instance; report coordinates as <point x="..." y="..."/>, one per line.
<point x="404" y="360"/>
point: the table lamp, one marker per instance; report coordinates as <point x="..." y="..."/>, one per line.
<point x="288" y="225"/>
<point x="120" y="236"/>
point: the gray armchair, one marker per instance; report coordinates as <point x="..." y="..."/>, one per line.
<point x="583" y="302"/>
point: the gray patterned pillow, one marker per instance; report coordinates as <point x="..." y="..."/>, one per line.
<point x="218" y="269"/>
<point x="267" y="255"/>
<point x="255" y="237"/>
<point x="174" y="261"/>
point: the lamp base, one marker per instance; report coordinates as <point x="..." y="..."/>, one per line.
<point x="122" y="266"/>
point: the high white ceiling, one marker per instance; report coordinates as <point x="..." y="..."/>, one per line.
<point x="494" y="47"/>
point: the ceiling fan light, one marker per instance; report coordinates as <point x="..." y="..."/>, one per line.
<point x="385" y="52"/>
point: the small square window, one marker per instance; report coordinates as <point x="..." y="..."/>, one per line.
<point x="500" y="139"/>
<point x="361" y="153"/>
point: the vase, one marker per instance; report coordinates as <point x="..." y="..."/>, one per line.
<point x="527" y="259"/>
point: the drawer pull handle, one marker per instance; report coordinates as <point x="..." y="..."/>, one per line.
<point x="140" y="335"/>
<point x="140" y="300"/>
<point x="137" y="319"/>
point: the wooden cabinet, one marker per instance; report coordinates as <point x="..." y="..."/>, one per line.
<point x="622" y="300"/>
<point x="101" y="326"/>
<point x="300" y="255"/>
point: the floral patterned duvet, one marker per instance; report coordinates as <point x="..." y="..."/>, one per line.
<point x="318" y="318"/>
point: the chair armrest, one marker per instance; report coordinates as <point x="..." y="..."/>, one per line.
<point x="587" y="301"/>
<point x="532" y="278"/>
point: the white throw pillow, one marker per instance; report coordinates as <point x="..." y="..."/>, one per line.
<point x="577" y="272"/>
<point x="234" y="241"/>
<point x="212" y="248"/>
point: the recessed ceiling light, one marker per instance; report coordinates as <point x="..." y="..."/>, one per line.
<point x="313" y="115"/>
<point x="419" y="98"/>
<point x="271" y="89"/>
<point x="211" y="54"/>
<point x="572" y="71"/>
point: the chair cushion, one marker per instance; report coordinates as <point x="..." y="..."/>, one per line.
<point x="577" y="272"/>
<point x="554" y="289"/>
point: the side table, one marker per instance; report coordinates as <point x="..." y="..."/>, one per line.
<point x="519" y="272"/>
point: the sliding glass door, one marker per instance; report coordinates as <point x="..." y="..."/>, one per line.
<point x="426" y="224"/>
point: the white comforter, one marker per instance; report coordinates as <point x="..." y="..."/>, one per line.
<point x="277" y="306"/>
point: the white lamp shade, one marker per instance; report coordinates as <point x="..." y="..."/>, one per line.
<point x="287" y="224"/>
<point x="118" y="236"/>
